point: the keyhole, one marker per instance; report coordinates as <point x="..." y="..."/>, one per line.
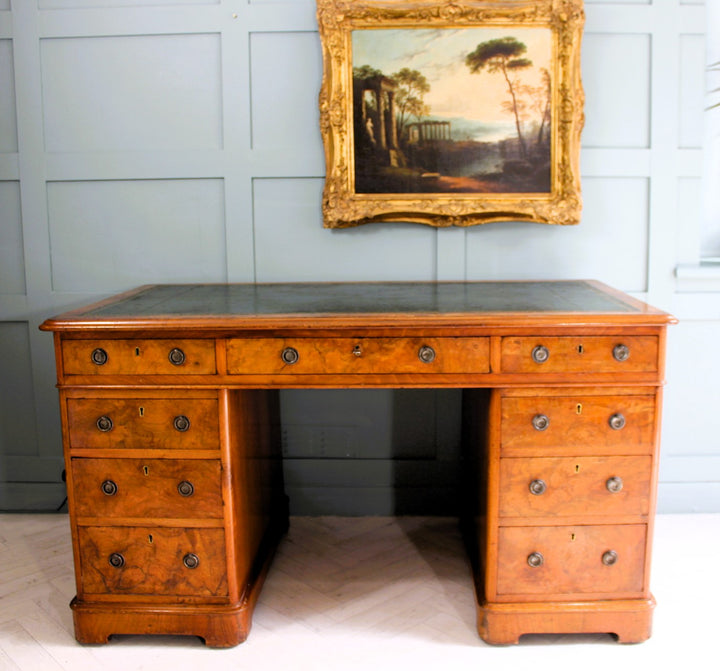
<point x="137" y="351"/>
<point x="580" y="349"/>
<point x="577" y="468"/>
<point x="142" y="412"/>
<point x="578" y="409"/>
<point x="146" y="470"/>
<point x="572" y="537"/>
<point x="150" y="539"/>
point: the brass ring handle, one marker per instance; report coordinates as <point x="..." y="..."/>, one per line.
<point x="181" y="423"/>
<point x="537" y="487"/>
<point x="621" y="352"/>
<point x="104" y="424"/>
<point x="426" y="354"/>
<point x="176" y="356"/>
<point x="617" y="421"/>
<point x="614" y="485"/>
<point x="99" y="356"/>
<point x="540" y="354"/>
<point x="191" y="560"/>
<point x="109" y="488"/>
<point x="609" y="558"/>
<point x="290" y="355"/>
<point x="535" y="559"/>
<point x="540" y="422"/>
<point x="116" y="560"/>
<point x="185" y="488"/>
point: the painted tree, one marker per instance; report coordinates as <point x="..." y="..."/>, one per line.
<point x="409" y="97"/>
<point x="503" y="55"/>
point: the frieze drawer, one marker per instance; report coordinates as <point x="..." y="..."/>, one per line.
<point x="298" y="356"/>
<point x="580" y="354"/>
<point x="140" y="488"/>
<point x="175" y="423"/>
<point x="152" y="560"/>
<point x="138" y="357"/>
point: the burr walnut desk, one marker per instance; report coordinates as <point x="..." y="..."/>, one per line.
<point x="169" y="413"/>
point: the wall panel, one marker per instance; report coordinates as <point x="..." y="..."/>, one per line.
<point x="12" y="265"/>
<point x="116" y="234"/>
<point x="158" y="92"/>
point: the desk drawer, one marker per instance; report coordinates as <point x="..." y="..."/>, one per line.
<point x="540" y="425"/>
<point x="149" y="560"/>
<point x="298" y="356"/>
<point x="575" y="486"/>
<point x="142" y="488"/>
<point x="180" y="423"/>
<point x="580" y="354"/>
<point x="603" y="559"/>
<point x="138" y="357"/>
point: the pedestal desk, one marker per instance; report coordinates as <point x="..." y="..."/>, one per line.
<point x="170" y="428"/>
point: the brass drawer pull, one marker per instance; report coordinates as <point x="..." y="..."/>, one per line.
<point x="290" y="355"/>
<point x="176" y="356"/>
<point x="99" y="356"/>
<point x="614" y="485"/>
<point x="426" y="354"/>
<point x="186" y="488"/>
<point x="181" y="423"/>
<point x="538" y="487"/>
<point x="540" y="354"/>
<point x="609" y="558"/>
<point x="535" y="559"/>
<point x="109" y="488"/>
<point x="191" y="560"/>
<point x="104" y="424"/>
<point x="540" y="422"/>
<point x="621" y="352"/>
<point x="116" y="560"/>
<point x="617" y="421"/>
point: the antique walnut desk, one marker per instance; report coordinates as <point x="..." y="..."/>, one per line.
<point x="170" y="427"/>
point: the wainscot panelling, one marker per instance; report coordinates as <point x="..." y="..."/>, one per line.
<point x="178" y="140"/>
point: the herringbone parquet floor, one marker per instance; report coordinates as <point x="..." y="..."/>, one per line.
<point x="356" y="593"/>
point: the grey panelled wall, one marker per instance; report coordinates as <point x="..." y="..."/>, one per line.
<point x="177" y="140"/>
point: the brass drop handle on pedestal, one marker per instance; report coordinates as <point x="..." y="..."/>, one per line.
<point x="290" y="355"/>
<point x="426" y="354"/>
<point x="176" y="356"/>
<point x="104" y="424"/>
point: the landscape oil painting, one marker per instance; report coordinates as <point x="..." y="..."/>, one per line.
<point x="467" y="110"/>
<point x="451" y="112"/>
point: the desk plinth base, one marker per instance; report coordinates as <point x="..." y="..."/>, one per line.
<point x="504" y="623"/>
<point x="218" y="626"/>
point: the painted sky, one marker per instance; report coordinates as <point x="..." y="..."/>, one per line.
<point x="439" y="54"/>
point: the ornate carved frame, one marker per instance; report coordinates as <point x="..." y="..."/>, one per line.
<point x="343" y="207"/>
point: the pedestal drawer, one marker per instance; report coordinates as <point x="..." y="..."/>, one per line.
<point x="537" y="425"/>
<point x="580" y="354"/>
<point x="298" y="356"/>
<point x="601" y="559"/>
<point x="575" y="486"/>
<point x="182" y="423"/>
<point x="141" y="356"/>
<point x="148" y="560"/>
<point x="141" y="488"/>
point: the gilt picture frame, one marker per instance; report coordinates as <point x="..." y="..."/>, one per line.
<point x="451" y="112"/>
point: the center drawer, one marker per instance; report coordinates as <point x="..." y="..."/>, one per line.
<point x="302" y="356"/>
<point x="149" y="560"/>
<point x="152" y="423"/>
<point x="168" y="488"/>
